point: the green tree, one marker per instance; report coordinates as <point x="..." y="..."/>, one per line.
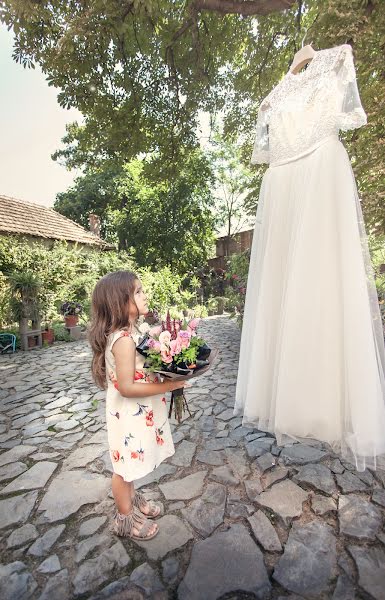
<point x="159" y="218"/>
<point x="94" y="192"/>
<point x="233" y="182"/>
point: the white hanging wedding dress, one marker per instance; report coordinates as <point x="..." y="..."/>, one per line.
<point x="312" y="357"/>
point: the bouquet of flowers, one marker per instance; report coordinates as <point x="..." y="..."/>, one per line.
<point x="173" y="349"/>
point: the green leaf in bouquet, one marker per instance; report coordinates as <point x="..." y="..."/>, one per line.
<point x="188" y="355"/>
<point x="197" y="342"/>
<point x="153" y="361"/>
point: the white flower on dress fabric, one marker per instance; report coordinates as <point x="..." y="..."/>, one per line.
<point x="144" y="328"/>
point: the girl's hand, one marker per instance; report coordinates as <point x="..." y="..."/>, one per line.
<point x="176" y="385"/>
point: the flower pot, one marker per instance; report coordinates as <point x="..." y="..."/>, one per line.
<point x="151" y="318"/>
<point x="48" y="336"/>
<point x="71" y="320"/>
<point x="31" y="342"/>
<point x="221" y="307"/>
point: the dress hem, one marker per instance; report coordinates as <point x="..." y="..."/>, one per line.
<point x="339" y="447"/>
<point x="142" y="476"/>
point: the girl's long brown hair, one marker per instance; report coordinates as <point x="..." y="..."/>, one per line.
<point x="109" y="312"/>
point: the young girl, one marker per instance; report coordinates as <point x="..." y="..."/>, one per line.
<point x="139" y="433"/>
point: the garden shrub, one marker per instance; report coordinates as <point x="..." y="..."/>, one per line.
<point x="67" y="272"/>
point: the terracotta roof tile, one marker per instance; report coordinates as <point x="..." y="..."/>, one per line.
<point x="27" y="218"/>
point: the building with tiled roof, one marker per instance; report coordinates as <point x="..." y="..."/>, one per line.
<point x="18" y="217"/>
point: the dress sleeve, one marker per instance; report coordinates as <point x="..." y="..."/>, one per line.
<point x="117" y="335"/>
<point x="261" y="153"/>
<point x="351" y="114"/>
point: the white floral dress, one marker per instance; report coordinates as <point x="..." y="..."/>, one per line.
<point x="139" y="434"/>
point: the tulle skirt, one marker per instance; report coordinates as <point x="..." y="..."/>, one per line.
<point x="312" y="357"/>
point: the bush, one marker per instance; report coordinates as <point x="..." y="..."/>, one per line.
<point x="69" y="273"/>
<point x="200" y="311"/>
<point x="212" y="282"/>
<point x="61" y="333"/>
<point x="4" y="300"/>
<point x="165" y="289"/>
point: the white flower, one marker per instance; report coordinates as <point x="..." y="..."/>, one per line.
<point x="144" y="328"/>
<point x="165" y="337"/>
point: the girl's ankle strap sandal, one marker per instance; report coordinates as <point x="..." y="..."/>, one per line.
<point x="124" y="526"/>
<point x="140" y="502"/>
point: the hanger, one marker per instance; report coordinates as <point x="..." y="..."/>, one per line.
<point x="303" y="56"/>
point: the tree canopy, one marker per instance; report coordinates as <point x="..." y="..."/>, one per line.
<point x="141" y="72"/>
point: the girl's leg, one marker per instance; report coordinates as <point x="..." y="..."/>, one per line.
<point x="123" y="492"/>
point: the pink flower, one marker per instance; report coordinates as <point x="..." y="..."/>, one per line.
<point x="165" y="337"/>
<point x="184" y="334"/>
<point x="185" y="338"/>
<point x="166" y="356"/>
<point x="176" y="346"/>
<point x="154" y="345"/>
<point x="157" y="330"/>
<point x="193" y="324"/>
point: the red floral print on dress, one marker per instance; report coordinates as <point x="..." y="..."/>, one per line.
<point x="164" y="400"/>
<point x="125" y="334"/>
<point x="113" y="379"/>
<point x="159" y="434"/>
<point x="115" y="455"/>
<point x="139" y="454"/>
<point x="159" y="439"/>
<point x="150" y="418"/>
<point x="139" y="375"/>
<point x="149" y="414"/>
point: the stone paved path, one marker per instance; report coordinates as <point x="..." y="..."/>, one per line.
<point x="242" y="517"/>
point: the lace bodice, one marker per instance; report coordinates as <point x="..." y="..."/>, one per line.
<point x="305" y="109"/>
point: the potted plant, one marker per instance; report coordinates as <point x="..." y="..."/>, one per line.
<point x="32" y="342"/>
<point x="25" y="306"/>
<point x="152" y="317"/>
<point x="71" y="311"/>
<point x="48" y="334"/>
<point x="212" y="306"/>
<point x="221" y="303"/>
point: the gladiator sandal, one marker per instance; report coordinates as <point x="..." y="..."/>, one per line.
<point x="124" y="526"/>
<point x="140" y="502"/>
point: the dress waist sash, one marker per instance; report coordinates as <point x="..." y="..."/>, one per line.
<point x="306" y="152"/>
